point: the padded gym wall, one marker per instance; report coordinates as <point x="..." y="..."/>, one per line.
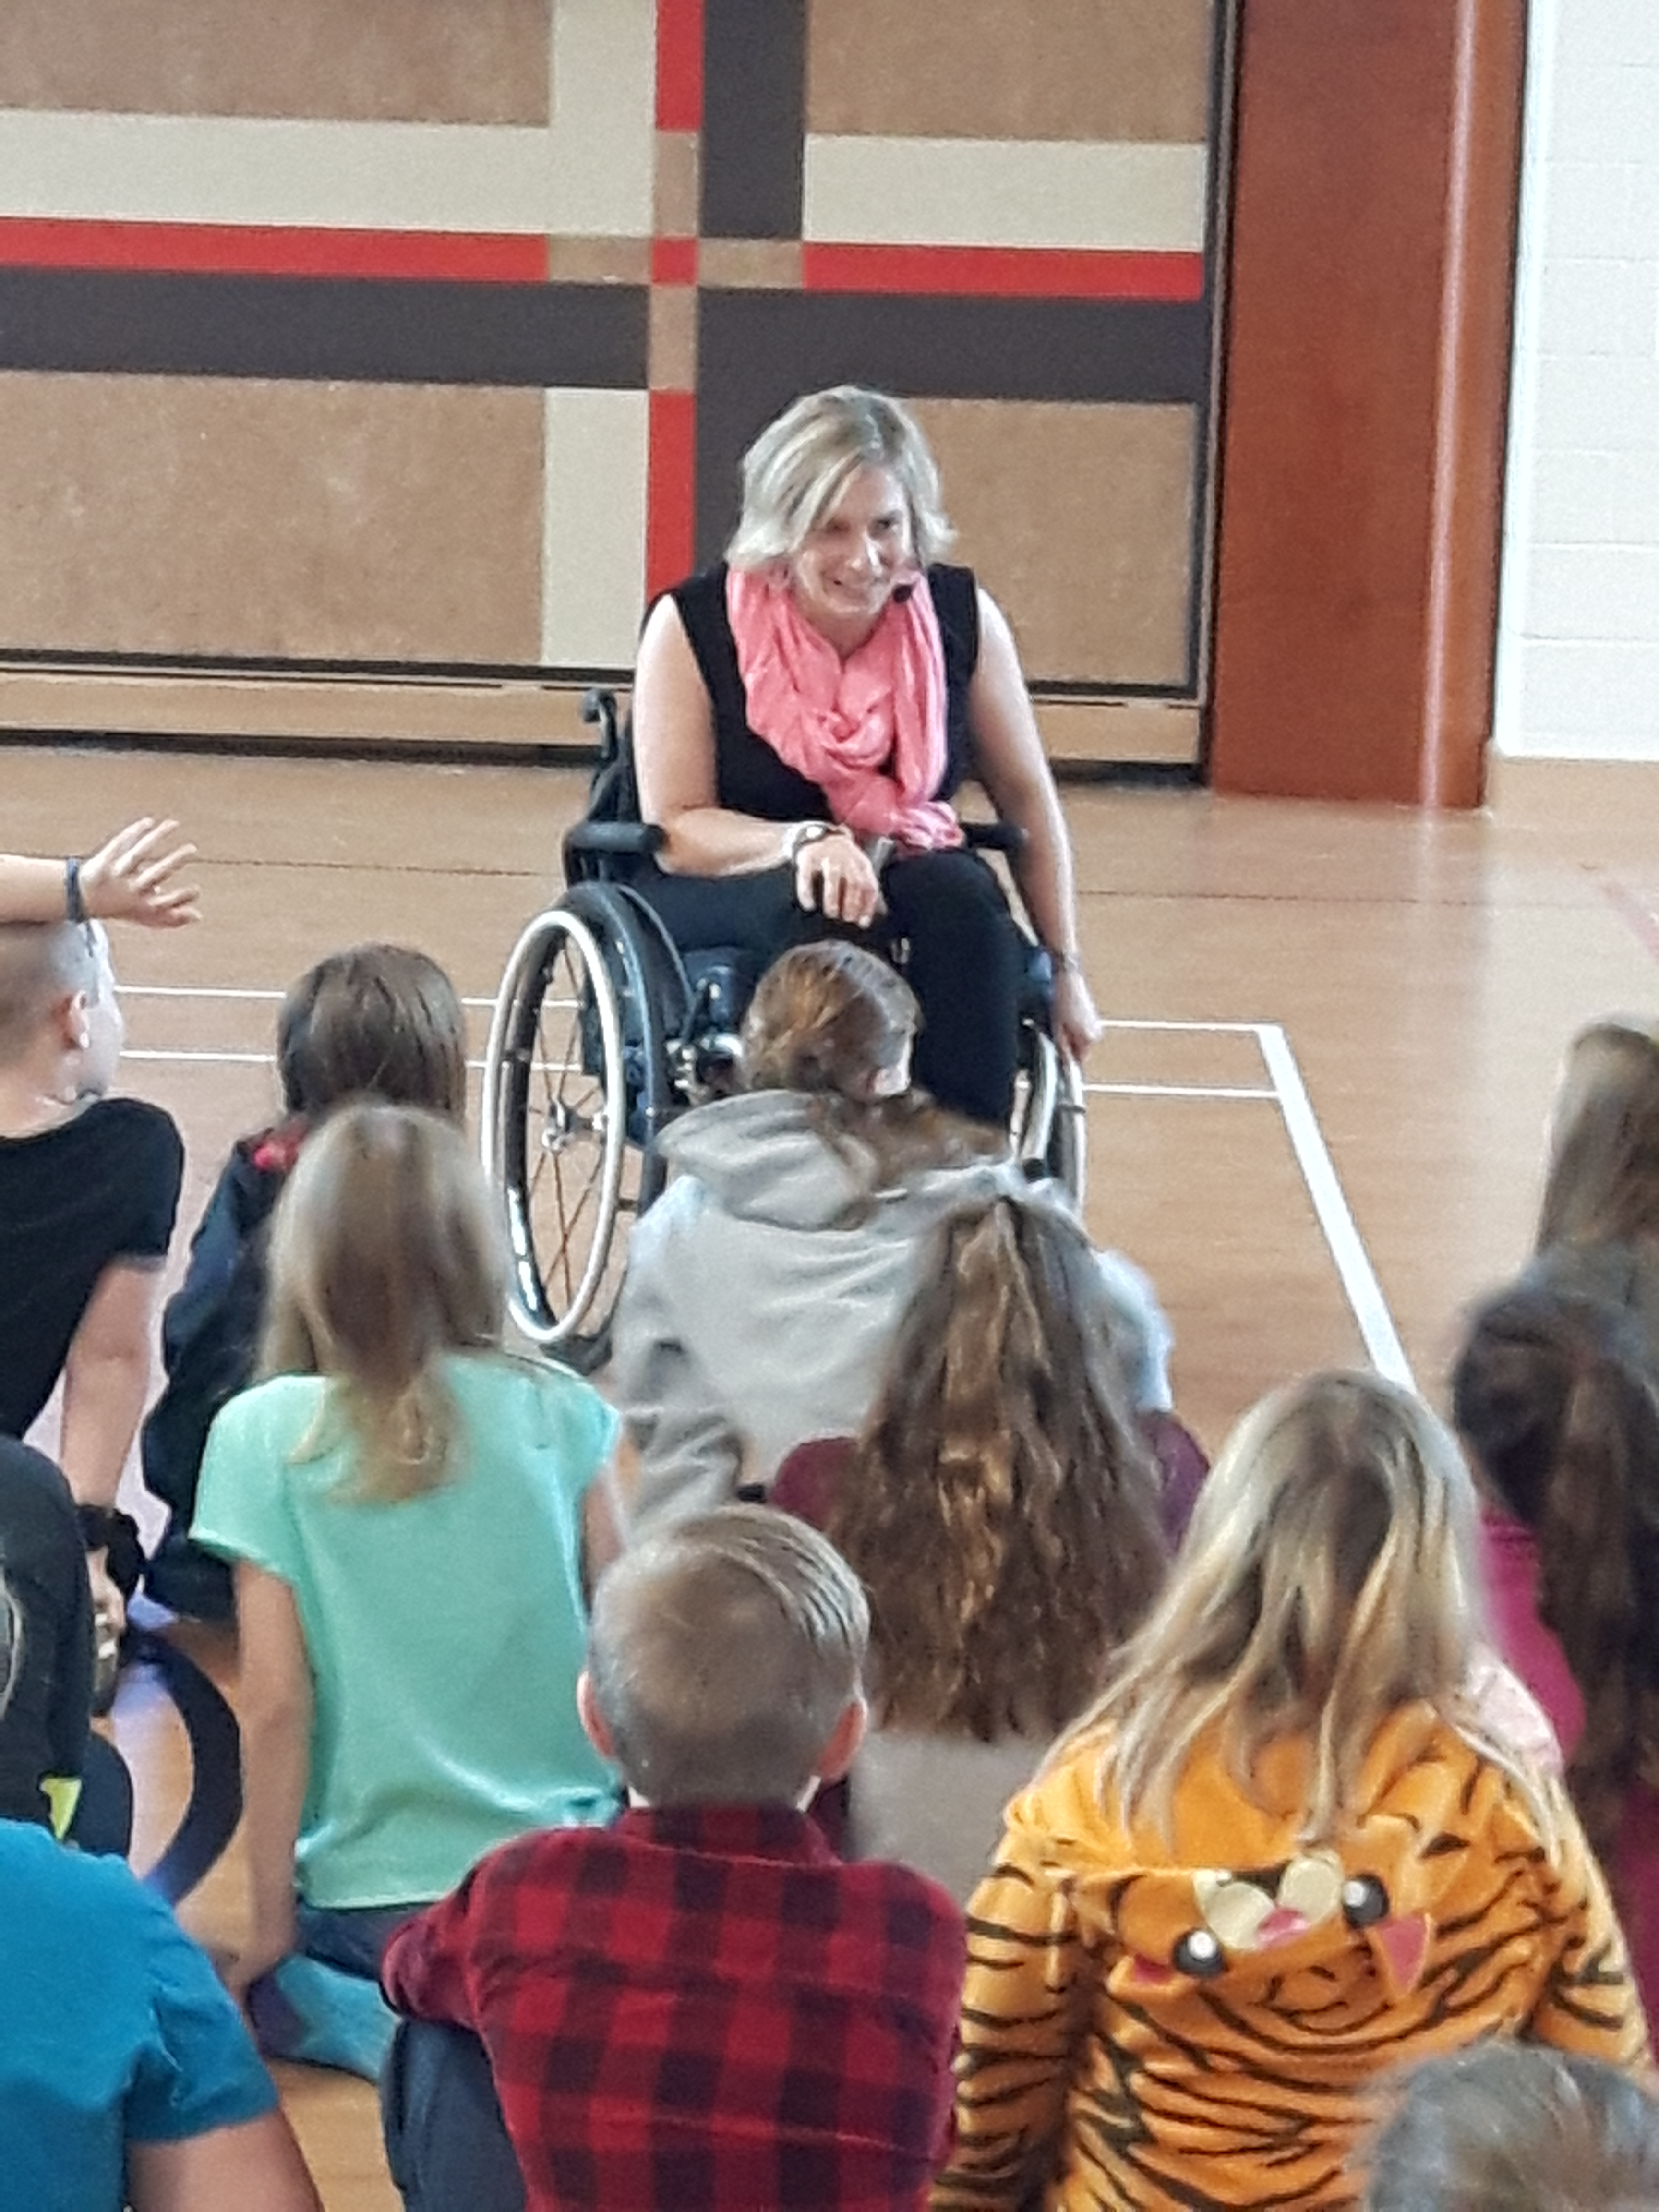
<point x="403" y="337"/>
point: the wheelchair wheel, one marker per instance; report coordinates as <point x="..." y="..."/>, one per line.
<point x="1050" y="1128"/>
<point x="576" y="1083"/>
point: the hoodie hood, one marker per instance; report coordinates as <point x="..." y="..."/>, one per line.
<point x="1234" y="1908"/>
<point x="761" y="1159"/>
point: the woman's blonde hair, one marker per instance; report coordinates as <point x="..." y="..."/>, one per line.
<point x="1326" y="1580"/>
<point x="386" y="1255"/>
<point x="1000" y="1507"/>
<point x="830" y="1020"/>
<point x="801" y="464"/>
<point x="1602" y="1183"/>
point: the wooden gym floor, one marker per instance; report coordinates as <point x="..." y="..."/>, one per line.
<point x="1317" y="1118"/>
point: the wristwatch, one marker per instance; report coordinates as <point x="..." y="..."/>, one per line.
<point x="808" y="833"/>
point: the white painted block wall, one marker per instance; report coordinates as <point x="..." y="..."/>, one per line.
<point x="1578" y="625"/>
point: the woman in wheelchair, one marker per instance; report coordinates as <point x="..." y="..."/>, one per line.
<point x="765" y="1288"/>
<point x="805" y="714"/>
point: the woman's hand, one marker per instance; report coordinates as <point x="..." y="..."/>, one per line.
<point x="1077" y="1024"/>
<point x="131" y="878"/>
<point x="834" y="876"/>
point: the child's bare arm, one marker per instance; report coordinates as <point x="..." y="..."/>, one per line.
<point x="276" y="1702"/>
<point x="132" y="877"/>
<point x="256" y="2165"/>
<point x="107" y="1379"/>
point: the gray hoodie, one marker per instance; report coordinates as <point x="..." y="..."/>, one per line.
<point x="764" y="1291"/>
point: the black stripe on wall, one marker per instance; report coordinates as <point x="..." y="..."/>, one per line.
<point x="754" y="116"/>
<point x="311" y="329"/>
<point x="758" y="350"/>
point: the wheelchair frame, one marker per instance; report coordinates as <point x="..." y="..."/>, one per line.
<point x="601" y="1035"/>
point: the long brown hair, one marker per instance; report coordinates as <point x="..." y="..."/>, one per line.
<point x="1000" y="1506"/>
<point x="1326" y="1581"/>
<point x="386" y="1255"/>
<point x="1551" y="1395"/>
<point x="832" y="1021"/>
<point x="1602" y="1182"/>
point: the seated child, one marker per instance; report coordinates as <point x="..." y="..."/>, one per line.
<point x="1559" y="1413"/>
<point x="1001" y="1509"/>
<point x="1506" y="2127"/>
<point x="377" y="1021"/>
<point x="126" y="2078"/>
<point x="407" y="1505"/>
<point x="764" y="1286"/>
<point x="700" y="2005"/>
<point x="1287" y="1848"/>
<point x="88" y="1190"/>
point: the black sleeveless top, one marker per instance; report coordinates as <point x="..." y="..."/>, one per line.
<point x="750" y="778"/>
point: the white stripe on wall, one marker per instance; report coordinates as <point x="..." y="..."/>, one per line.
<point x="233" y="169"/>
<point x="1010" y="192"/>
<point x="602" y="102"/>
<point x="593" y="528"/>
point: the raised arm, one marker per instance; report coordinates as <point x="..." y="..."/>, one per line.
<point x="674" y="759"/>
<point x="1009" y="759"/>
<point x="131" y="877"/>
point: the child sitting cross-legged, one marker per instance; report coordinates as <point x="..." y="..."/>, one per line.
<point x="701" y="2004"/>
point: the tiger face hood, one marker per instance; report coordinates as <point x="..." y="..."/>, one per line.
<point x="1234" y="1907"/>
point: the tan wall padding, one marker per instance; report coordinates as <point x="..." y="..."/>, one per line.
<point x="335" y="521"/>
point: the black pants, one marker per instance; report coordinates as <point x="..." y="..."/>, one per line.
<point x="947" y="925"/>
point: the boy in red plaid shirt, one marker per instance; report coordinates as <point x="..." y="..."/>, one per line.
<point x="700" y="2005"/>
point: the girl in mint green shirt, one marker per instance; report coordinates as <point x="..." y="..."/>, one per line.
<point x="410" y="1512"/>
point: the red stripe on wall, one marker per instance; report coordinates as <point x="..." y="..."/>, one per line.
<point x="1033" y="272"/>
<point x="679" y="64"/>
<point x="673" y="261"/>
<point x="251" y="250"/>
<point x="670" y="490"/>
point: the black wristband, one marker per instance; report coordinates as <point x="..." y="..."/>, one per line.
<point x="74" y="904"/>
<point x="97" y="1525"/>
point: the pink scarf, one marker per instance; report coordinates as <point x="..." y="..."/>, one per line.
<point x="869" y="730"/>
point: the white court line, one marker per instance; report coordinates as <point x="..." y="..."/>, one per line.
<point x="1347" y="1248"/>
<point x="228" y="991"/>
<point x="1173" y="1090"/>
<point x="219" y="1059"/>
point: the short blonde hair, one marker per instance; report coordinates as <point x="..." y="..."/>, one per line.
<point x="1326" y="1581"/>
<point x="386" y="1255"/>
<point x="722" y="1654"/>
<point x="40" y="963"/>
<point x="801" y="464"/>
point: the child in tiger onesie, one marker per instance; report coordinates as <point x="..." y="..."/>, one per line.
<point x="1295" y="1845"/>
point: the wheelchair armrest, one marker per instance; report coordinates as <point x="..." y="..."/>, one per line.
<point x="631" y="840"/>
<point x="994" y="836"/>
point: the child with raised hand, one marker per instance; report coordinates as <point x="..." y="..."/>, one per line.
<point x="1560" y="1414"/>
<point x="1287" y="1848"/>
<point x="408" y="1508"/>
<point x="375" y="1021"/>
<point x="700" y="2005"/>
<point x="89" y="1190"/>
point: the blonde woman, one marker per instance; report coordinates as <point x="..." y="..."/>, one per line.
<point x="805" y="713"/>
<point x="406" y="1507"/>
<point x="1288" y="1848"/>
<point x="1598" y="1228"/>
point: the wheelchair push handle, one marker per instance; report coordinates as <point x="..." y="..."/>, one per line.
<point x="599" y="707"/>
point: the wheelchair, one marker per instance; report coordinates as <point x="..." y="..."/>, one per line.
<point x="604" y="1032"/>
